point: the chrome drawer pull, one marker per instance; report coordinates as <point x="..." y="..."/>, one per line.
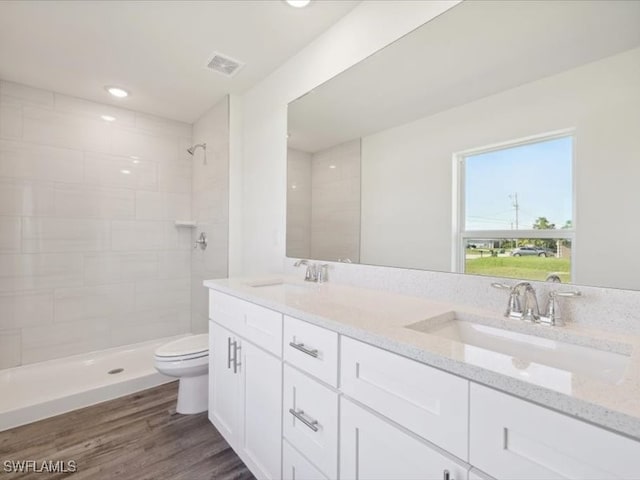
<point x="309" y="351"/>
<point x="312" y="424"/>
<point x="236" y="363"/>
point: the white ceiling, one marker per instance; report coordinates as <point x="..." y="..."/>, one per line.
<point x="476" y="49"/>
<point x="156" y="49"/>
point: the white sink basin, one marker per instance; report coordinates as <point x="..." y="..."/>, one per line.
<point x="281" y="284"/>
<point x="544" y="361"/>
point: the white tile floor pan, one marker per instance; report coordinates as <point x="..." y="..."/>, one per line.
<point x="40" y="390"/>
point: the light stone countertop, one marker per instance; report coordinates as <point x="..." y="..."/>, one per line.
<point x="609" y="400"/>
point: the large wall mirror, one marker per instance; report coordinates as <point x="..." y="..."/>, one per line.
<point x="501" y="138"/>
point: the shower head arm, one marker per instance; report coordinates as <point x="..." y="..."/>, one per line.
<point x="191" y="150"/>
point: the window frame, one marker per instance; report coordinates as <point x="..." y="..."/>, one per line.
<point x="460" y="236"/>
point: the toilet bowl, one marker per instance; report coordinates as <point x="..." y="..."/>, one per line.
<point x="188" y="360"/>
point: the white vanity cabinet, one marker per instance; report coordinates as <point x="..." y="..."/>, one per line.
<point x="371" y="448"/>
<point x="245" y="397"/>
<point x="515" y="439"/>
<point x="302" y="402"/>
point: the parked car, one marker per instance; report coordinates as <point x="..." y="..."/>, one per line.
<point x="537" y="251"/>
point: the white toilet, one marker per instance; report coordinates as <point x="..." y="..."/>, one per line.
<point x="188" y="360"/>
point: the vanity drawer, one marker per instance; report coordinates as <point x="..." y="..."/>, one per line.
<point x="426" y="401"/>
<point x="316" y="435"/>
<point x="312" y="349"/>
<point x="515" y="439"/>
<point x="257" y="324"/>
<point x="296" y="467"/>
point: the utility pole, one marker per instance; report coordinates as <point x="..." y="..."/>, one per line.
<point x="515" y="205"/>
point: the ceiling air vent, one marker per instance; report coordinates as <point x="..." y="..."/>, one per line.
<point x="227" y="66"/>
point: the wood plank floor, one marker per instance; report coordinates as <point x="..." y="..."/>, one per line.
<point x="134" y="437"/>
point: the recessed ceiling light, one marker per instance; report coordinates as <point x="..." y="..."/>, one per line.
<point x="108" y="118"/>
<point x="126" y="172"/>
<point x="332" y="166"/>
<point x="298" y="3"/>
<point x="117" y="91"/>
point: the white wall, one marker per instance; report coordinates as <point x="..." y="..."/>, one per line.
<point x="89" y="255"/>
<point x="261" y="234"/>
<point x="210" y="208"/>
<point x="407" y="170"/>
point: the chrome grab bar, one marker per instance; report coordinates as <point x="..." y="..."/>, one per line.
<point x="301" y="347"/>
<point x="299" y="414"/>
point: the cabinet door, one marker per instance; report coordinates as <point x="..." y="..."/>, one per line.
<point x="261" y="406"/>
<point x="373" y="449"/>
<point x="517" y="440"/>
<point x="224" y="383"/>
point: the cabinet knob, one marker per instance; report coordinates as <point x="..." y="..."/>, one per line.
<point x="446" y="475"/>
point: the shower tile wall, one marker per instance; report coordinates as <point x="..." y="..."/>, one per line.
<point x="323" y="203"/>
<point x="335" y="202"/>
<point x="298" y="204"/>
<point x="89" y="254"/>
<point x="210" y="203"/>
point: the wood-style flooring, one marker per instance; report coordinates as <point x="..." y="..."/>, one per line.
<point x="136" y="437"/>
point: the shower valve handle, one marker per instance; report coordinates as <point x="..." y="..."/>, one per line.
<point x="201" y="241"/>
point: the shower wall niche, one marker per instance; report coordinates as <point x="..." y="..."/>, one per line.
<point x="89" y="254"/>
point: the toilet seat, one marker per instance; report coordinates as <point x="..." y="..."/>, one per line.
<point x="181" y="358"/>
<point x="188" y="360"/>
<point x="188" y="348"/>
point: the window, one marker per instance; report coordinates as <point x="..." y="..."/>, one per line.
<point x="514" y="215"/>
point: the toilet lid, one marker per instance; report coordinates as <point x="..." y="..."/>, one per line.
<point x="191" y="345"/>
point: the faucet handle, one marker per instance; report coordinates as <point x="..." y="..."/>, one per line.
<point x="322" y="273"/>
<point x="569" y="293"/>
<point x="514" y="309"/>
<point x="552" y="313"/>
<point x="311" y="275"/>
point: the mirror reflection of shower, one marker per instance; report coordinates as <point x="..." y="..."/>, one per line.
<point x="191" y="150"/>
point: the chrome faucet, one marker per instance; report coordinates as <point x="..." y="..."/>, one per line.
<point x="528" y="309"/>
<point x="310" y="273"/>
<point x="314" y="273"/>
